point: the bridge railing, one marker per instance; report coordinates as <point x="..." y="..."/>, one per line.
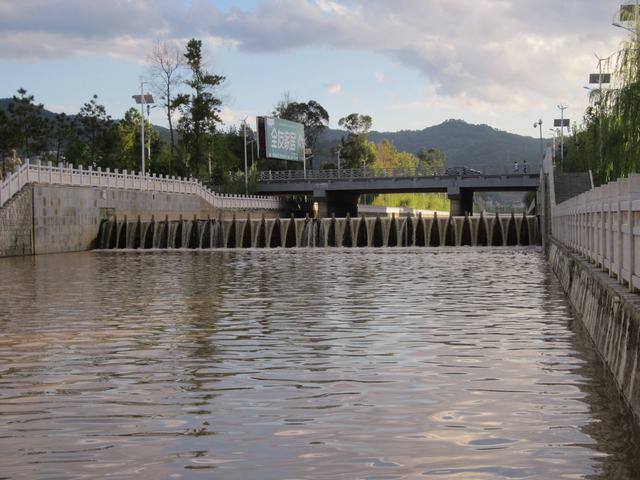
<point x="48" y="174"/>
<point x="364" y="173"/>
<point x="603" y="225"/>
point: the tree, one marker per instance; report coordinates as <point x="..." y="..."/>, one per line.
<point x="355" y="148"/>
<point x="166" y="64"/>
<point x="199" y="109"/>
<point x="63" y="135"/>
<point x="8" y="140"/>
<point x="312" y="115"/>
<point x="388" y="156"/>
<point x="282" y="105"/>
<point x="93" y="127"/>
<point x="356" y="124"/>
<point x="128" y="134"/>
<point x="431" y="160"/>
<point x="29" y="125"/>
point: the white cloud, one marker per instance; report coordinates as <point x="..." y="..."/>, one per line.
<point x="230" y="117"/>
<point x="486" y="54"/>
<point x="334" y="88"/>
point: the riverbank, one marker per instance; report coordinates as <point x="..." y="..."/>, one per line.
<point x="611" y="315"/>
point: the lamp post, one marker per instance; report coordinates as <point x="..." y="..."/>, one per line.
<point x="149" y="107"/>
<point x="562" y="109"/>
<point x="536" y="125"/>
<point x="142" y="99"/>
<point x="635" y="7"/>
<point x="553" y="139"/>
<point x="246" y="170"/>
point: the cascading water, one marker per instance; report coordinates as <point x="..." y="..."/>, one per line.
<point x="346" y="232"/>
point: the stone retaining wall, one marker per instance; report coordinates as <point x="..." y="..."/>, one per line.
<point x="611" y="315"/>
<point x="16" y="222"/>
<point x="56" y="219"/>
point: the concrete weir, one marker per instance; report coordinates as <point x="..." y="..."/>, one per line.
<point x="611" y="315"/>
<point x="326" y="232"/>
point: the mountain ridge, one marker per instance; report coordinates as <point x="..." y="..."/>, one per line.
<point x="464" y="144"/>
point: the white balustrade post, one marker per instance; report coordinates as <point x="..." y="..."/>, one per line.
<point x="618" y="231"/>
<point x="634" y="205"/>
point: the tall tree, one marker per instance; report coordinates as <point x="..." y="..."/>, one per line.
<point x="128" y="135"/>
<point x="355" y="148"/>
<point x="94" y="124"/>
<point x="356" y="123"/>
<point x="8" y="141"/>
<point x="167" y="63"/>
<point x="312" y="115"/>
<point x="63" y="133"/>
<point x="28" y="123"/>
<point x="200" y="109"/>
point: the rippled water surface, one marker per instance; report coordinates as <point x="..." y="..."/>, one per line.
<point x="393" y="364"/>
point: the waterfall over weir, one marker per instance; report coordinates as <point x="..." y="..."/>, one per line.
<point x="326" y="232"/>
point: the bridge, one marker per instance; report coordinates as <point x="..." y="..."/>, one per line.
<point x="337" y="191"/>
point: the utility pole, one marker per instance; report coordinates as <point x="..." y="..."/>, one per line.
<point x="562" y="109"/>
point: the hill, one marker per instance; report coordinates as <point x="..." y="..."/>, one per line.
<point x="474" y="146"/>
<point x="464" y="144"/>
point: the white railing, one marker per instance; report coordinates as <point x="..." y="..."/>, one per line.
<point x="48" y="174"/>
<point x="603" y="224"/>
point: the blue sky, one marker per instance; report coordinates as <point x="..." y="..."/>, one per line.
<point x="409" y="64"/>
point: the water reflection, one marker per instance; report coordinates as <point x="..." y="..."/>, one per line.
<point x="333" y="364"/>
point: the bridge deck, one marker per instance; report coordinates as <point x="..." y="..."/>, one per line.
<point x="385" y="181"/>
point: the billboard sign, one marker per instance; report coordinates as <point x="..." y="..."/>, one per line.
<point x="281" y="139"/>
<point x="561" y="122"/>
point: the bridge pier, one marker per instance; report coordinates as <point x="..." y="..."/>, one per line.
<point x="337" y="203"/>
<point x="461" y="201"/>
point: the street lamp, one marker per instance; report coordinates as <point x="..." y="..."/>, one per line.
<point x="142" y="99"/>
<point x="149" y="107"/>
<point x="536" y="125"/>
<point x="561" y="123"/>
<point x="628" y="13"/>
<point x="246" y="170"/>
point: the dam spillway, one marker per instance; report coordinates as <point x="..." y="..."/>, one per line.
<point x="377" y="232"/>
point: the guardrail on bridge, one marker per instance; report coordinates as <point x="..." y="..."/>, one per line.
<point x="364" y="173"/>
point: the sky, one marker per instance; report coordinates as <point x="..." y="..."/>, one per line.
<point x="410" y="64"/>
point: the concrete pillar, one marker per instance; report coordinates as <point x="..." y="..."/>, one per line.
<point x="461" y="201"/>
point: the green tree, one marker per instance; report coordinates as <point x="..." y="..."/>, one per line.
<point x="29" y="125"/>
<point x="63" y="136"/>
<point x="94" y="128"/>
<point x="311" y="114"/>
<point x="128" y="134"/>
<point x="200" y="109"/>
<point x="431" y="160"/>
<point x="355" y="148"/>
<point x="387" y="156"/>
<point x="8" y="141"/>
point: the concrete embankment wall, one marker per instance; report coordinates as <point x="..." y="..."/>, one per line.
<point x="16" y="225"/>
<point x="57" y="219"/>
<point x="611" y="315"/>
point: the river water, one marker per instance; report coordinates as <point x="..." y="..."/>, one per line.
<point x="301" y="364"/>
